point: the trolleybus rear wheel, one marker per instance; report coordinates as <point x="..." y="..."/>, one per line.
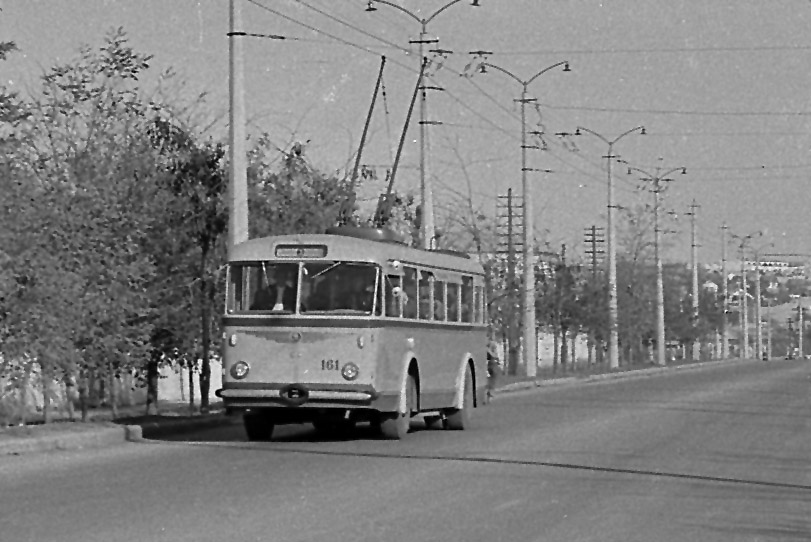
<point x="395" y="426"/>
<point x="258" y="427"/>
<point x="459" y="418"/>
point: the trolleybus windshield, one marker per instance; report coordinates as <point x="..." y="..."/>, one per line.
<point x="324" y="287"/>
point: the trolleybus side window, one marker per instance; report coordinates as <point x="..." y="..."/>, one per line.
<point x="477" y="304"/>
<point x="439" y="300"/>
<point x="410" y="294"/>
<point x="467" y="299"/>
<point x="236" y="293"/>
<point x="393" y="295"/>
<point x="453" y="302"/>
<point x="426" y="295"/>
<point x="432" y="303"/>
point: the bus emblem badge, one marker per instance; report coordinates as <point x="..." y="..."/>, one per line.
<point x="294" y="395"/>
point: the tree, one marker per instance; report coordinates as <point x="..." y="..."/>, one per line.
<point x="636" y="282"/>
<point x="81" y="188"/>
<point x="296" y="198"/>
<point x="198" y="183"/>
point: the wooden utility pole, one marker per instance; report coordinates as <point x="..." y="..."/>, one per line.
<point x="512" y="314"/>
<point x="594" y="237"/>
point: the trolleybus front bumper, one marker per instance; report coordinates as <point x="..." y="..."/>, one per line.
<point x="242" y="396"/>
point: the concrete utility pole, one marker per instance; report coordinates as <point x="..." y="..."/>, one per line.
<point x="657" y="243"/>
<point x="696" y="354"/>
<point x="769" y="329"/>
<point x="790" y="327"/>
<point x="613" y="335"/>
<point x="759" y="302"/>
<point x="759" y="328"/>
<point x="529" y="335"/>
<point x="238" y="174"/>
<point x="800" y="325"/>
<point x="745" y="305"/>
<point x="725" y="294"/>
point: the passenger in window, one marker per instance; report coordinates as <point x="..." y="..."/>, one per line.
<point x="430" y="309"/>
<point x="322" y="294"/>
<point x="393" y="295"/>
<point x="467" y="299"/>
<point x="439" y="303"/>
<point x="453" y="302"/>
<point x="426" y="309"/>
<point x="409" y="305"/>
<point x="410" y="293"/>
<point x="358" y="294"/>
<point x="278" y="292"/>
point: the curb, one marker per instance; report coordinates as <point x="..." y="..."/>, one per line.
<point x="152" y="430"/>
<point x="636" y="373"/>
<point x="78" y="436"/>
<point x="22" y="440"/>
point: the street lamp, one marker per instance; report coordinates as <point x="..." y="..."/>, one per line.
<point x="725" y="294"/>
<point x="744" y="307"/>
<point x="656" y="179"/>
<point x="613" y="339"/>
<point x="530" y="342"/>
<point x="426" y="192"/>
<point x="758" y="300"/>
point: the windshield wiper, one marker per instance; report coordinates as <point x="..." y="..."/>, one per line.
<point x="330" y="268"/>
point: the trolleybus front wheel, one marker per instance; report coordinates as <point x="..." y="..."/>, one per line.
<point x="395" y="426"/>
<point x="258" y="426"/>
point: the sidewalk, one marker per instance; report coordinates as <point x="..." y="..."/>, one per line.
<point x="101" y="430"/>
<point x="133" y="425"/>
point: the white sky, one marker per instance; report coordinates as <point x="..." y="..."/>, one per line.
<point x="723" y="88"/>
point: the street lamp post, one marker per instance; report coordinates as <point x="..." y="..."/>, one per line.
<point x="529" y="337"/>
<point x="696" y="350"/>
<point x="657" y="231"/>
<point x="427" y="228"/>
<point x="745" y="306"/>
<point x="613" y="336"/>
<point x="725" y="294"/>
<point x="758" y="302"/>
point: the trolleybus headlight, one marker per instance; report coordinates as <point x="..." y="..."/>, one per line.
<point x="239" y="370"/>
<point x="232" y="340"/>
<point x="361" y="342"/>
<point x="350" y="371"/>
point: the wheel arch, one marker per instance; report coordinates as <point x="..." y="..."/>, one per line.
<point x="411" y="367"/>
<point x="459" y="392"/>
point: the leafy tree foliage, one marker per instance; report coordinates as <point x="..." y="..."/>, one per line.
<point x="77" y="216"/>
<point x="196" y="185"/>
<point x="295" y="197"/>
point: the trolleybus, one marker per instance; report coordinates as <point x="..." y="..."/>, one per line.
<point x="352" y="326"/>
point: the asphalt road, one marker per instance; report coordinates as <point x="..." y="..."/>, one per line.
<point x="715" y="454"/>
